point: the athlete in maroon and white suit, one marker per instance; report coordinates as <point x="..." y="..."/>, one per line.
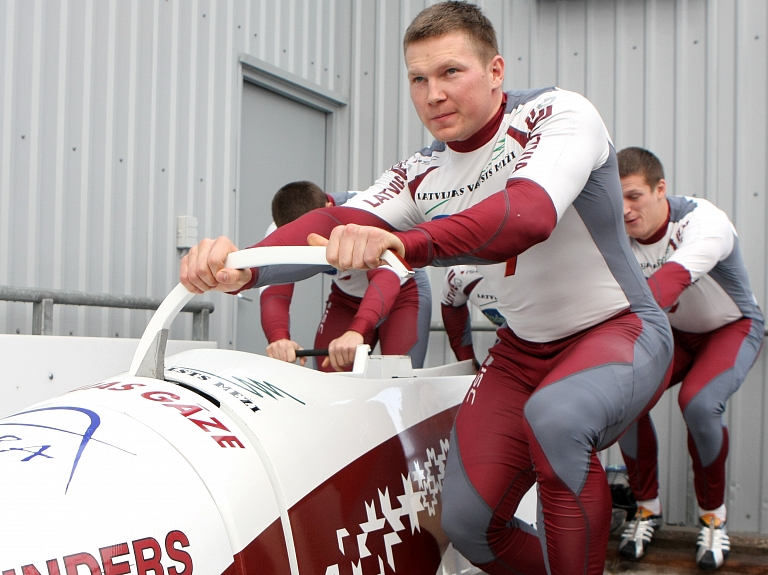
<point x="376" y="304"/>
<point x="527" y="178"/>
<point x="689" y="251"/>
<point x="586" y="349"/>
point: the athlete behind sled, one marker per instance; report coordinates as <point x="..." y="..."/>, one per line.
<point x="689" y="251"/>
<point x="363" y="307"/>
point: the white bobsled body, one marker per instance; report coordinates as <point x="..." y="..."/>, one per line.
<point x="233" y="464"/>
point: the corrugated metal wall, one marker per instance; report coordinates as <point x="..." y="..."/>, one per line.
<point x="118" y="116"/>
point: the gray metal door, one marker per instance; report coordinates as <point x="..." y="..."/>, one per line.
<point x="282" y="141"/>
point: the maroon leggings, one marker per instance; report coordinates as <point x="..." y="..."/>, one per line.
<point x="540" y="413"/>
<point x="710" y="367"/>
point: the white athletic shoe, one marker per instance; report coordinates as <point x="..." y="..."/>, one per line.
<point x="713" y="544"/>
<point x="638" y="534"/>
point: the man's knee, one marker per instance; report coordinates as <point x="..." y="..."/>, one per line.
<point x="704" y="412"/>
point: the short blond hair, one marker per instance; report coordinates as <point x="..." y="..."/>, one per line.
<point x="453" y="16"/>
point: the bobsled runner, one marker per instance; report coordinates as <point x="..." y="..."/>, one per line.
<point x="223" y="462"/>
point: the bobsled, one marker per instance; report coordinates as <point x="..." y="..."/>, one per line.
<point x="217" y="462"/>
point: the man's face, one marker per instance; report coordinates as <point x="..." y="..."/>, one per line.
<point x="454" y="93"/>
<point x="645" y="208"/>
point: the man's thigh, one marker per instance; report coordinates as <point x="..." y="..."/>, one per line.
<point x="587" y="388"/>
<point x="602" y="383"/>
<point x="724" y="356"/>
<point x="489" y="431"/>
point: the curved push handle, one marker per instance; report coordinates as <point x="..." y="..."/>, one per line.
<point x="150" y="353"/>
<point x="307" y="255"/>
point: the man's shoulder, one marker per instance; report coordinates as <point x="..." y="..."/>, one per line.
<point x="422" y="160"/>
<point x="527" y="110"/>
<point x="423" y="157"/>
<point x="682" y="206"/>
<point x="700" y="218"/>
<point x="538" y="96"/>
<point x="516" y="98"/>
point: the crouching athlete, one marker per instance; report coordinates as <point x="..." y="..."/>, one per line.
<point x="690" y="252"/>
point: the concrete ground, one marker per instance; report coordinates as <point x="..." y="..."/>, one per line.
<point x="672" y="552"/>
